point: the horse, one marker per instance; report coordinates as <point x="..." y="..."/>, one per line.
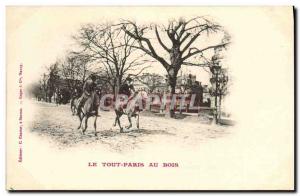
<point x="131" y="110"/>
<point x="89" y="109"/>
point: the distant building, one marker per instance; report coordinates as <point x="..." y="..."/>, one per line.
<point x="186" y="79"/>
<point x="147" y="81"/>
<point x="138" y="85"/>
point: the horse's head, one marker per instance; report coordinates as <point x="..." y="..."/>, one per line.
<point x="142" y="95"/>
<point x="140" y="99"/>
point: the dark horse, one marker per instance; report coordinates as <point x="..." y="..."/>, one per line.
<point x="131" y="109"/>
<point x="89" y="109"/>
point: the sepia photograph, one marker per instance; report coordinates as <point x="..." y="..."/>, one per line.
<point x="150" y="98"/>
<point x="122" y="70"/>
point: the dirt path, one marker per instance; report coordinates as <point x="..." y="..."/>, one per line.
<point x="57" y="123"/>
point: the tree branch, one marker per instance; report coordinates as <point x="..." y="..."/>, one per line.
<point x="151" y="51"/>
<point x="159" y="40"/>
<point x="190" y="54"/>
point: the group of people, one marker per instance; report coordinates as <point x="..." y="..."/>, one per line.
<point x="90" y="86"/>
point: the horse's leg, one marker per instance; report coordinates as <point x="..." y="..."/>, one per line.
<point x="80" y="119"/>
<point x="121" y="128"/>
<point x="118" y="120"/>
<point x="138" y="120"/>
<point x="115" y="123"/>
<point x="129" y="119"/>
<point x="95" y="125"/>
<point x="82" y="127"/>
<point x="86" y="123"/>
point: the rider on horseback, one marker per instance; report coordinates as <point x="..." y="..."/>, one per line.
<point x="127" y="88"/>
<point x="88" y="88"/>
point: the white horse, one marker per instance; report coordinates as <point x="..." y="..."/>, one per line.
<point x="134" y="105"/>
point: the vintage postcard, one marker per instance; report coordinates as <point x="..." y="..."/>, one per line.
<point x="150" y="98"/>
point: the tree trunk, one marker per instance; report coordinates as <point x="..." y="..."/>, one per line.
<point x="216" y="110"/>
<point x="172" y="83"/>
<point x="117" y="85"/>
<point x="176" y="61"/>
<point x="220" y="111"/>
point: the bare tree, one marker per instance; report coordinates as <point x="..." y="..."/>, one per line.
<point x="74" y="69"/>
<point x="219" y="81"/>
<point x="186" y="42"/>
<point x="112" y="48"/>
<point x="44" y="86"/>
<point x="53" y="80"/>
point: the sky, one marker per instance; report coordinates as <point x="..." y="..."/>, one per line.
<point x="44" y="34"/>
